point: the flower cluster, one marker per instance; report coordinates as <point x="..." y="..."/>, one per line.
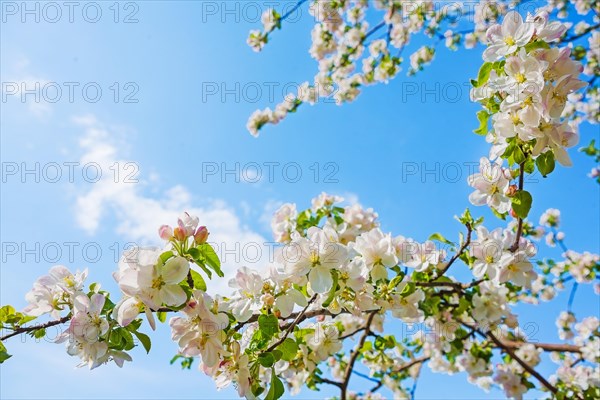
<point x="353" y="50"/>
<point x="55" y="292"/>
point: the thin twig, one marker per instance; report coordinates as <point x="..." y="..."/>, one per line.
<point x="459" y="252"/>
<point x="290" y="328"/>
<point x="346" y="336"/>
<point x="582" y="34"/>
<point x="329" y="381"/>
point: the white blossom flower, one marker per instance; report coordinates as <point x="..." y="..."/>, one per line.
<point x="491" y="185"/>
<point x="507" y="38"/>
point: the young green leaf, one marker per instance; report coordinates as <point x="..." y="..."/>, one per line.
<point x="440" y="238"/>
<point x="211" y="258"/>
<point x="521" y="203"/>
<point x="483" y="75"/>
<point x="289" y="349"/>
<point x="199" y="282"/>
<point x="545" y="163"/>
<point x="268" y="325"/>
<point x="276" y="390"/>
<point x="483" y="117"/>
<point x="144" y="340"/>
<point x="331" y="295"/>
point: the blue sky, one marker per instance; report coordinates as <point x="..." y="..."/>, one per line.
<point x="378" y="151"/>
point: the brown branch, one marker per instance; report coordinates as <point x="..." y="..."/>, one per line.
<point x="307" y="315"/>
<point x="346" y="336"/>
<point x="411" y="363"/>
<point x="329" y="381"/>
<point x="582" y="34"/>
<point x="33" y="328"/>
<point x="565" y="348"/>
<point x="522" y="363"/>
<point x="291" y="326"/>
<point x="456" y="285"/>
<point x="459" y="252"/>
<point x="311" y="314"/>
<point x="354" y="355"/>
<point x="190" y="280"/>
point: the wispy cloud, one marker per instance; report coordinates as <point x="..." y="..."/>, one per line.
<point x="22" y="86"/>
<point x="138" y="214"/>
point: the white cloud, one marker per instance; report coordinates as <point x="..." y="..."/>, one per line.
<point x="139" y="215"/>
<point x="21" y="86"/>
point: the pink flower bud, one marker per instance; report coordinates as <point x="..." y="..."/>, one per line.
<point x="201" y="235"/>
<point x="179" y="234"/>
<point x="165" y="232"/>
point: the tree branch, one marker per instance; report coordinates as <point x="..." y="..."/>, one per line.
<point x="582" y="34"/>
<point x="296" y="321"/>
<point x="565" y="348"/>
<point x="522" y="363"/>
<point x="33" y="328"/>
<point x="459" y="252"/>
<point x="355" y="354"/>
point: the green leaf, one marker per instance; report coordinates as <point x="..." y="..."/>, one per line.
<point x="3" y="354"/>
<point x="126" y="339"/>
<point x="331" y="295"/>
<point x="144" y="339"/>
<point x="186" y="362"/>
<point x="40" y="333"/>
<point x="289" y="349"/>
<point x="545" y="163"/>
<point x="440" y="238"/>
<point x="276" y="390"/>
<point x="483" y="75"/>
<point x="165" y="256"/>
<point x="206" y="270"/>
<point x="6" y="312"/>
<point x="518" y="155"/>
<point x="211" y="258"/>
<point x="521" y="203"/>
<point x="529" y="166"/>
<point x="268" y="325"/>
<point x="199" y="282"/>
<point x="266" y="360"/>
<point x="277" y="354"/>
<point x="538" y="44"/>
<point x="194" y="253"/>
<point x="408" y="289"/>
<point x="256" y="389"/>
<point x="483" y="117"/>
<point x="162" y="316"/>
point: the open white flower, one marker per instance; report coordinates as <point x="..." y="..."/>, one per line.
<point x="491" y="185"/>
<point x="422" y="256"/>
<point x="507" y="38"/>
<point x="87" y="323"/>
<point x="201" y="331"/>
<point x="516" y="269"/>
<point x="156" y="284"/>
<point x="234" y="369"/>
<point x="53" y="292"/>
<point x="249" y="286"/>
<point x="377" y="251"/>
<point x="317" y="254"/>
